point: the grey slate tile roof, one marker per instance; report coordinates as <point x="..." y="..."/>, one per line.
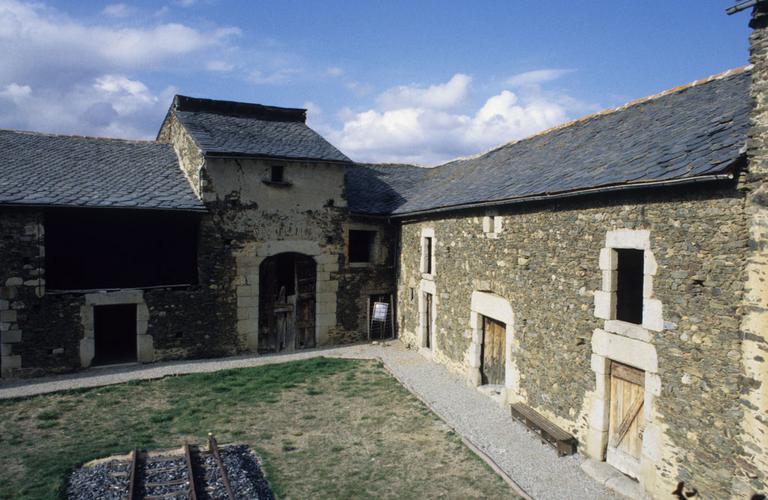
<point x="73" y="171"/>
<point x="226" y="128"/>
<point x="689" y="132"/>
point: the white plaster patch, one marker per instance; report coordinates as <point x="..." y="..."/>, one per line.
<point x="639" y="239"/>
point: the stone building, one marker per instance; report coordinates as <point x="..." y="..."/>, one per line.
<point x="609" y="274"/>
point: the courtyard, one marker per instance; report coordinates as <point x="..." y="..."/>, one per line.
<point x="325" y="428"/>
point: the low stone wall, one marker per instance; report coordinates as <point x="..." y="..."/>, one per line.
<point x="545" y="261"/>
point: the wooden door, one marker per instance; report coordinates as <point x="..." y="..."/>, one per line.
<point x="268" y="296"/>
<point x="494" y="343"/>
<point x="306" y="279"/>
<point x="625" y="430"/>
<point x="428" y="320"/>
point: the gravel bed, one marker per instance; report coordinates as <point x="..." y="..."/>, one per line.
<point x="108" y="481"/>
<point x="245" y="474"/>
<point x="490" y="427"/>
<point x="155" y="473"/>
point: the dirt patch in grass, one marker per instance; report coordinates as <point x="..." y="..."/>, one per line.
<point x="326" y="428"/>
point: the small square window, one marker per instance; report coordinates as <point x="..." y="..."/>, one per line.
<point x="361" y="246"/>
<point x="277" y="174"/>
<point x="629" y="286"/>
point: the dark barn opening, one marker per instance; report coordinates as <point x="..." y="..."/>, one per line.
<point x="103" y="249"/>
<point x="114" y="330"/>
<point x="361" y="245"/>
<point x="629" y="287"/>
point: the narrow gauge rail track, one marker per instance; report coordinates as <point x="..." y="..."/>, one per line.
<point x="172" y="477"/>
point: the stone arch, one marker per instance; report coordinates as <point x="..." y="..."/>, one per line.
<point x="498" y="308"/>
<point x="249" y="261"/>
<point x="287" y="302"/>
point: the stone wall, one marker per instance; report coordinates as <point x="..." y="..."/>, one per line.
<point x="190" y="157"/>
<point x="357" y="282"/>
<point x="44" y="332"/>
<point x="544" y="260"/>
<point x="753" y="462"/>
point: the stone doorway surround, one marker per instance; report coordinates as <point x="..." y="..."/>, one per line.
<point x="247" y="287"/>
<point x="495" y="307"/>
<point x="427" y="286"/>
<point x="145" y="348"/>
<point x="629" y="344"/>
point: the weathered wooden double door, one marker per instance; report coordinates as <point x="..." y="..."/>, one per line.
<point x="287" y="284"/>
<point x="625" y="430"/>
<point x="494" y="344"/>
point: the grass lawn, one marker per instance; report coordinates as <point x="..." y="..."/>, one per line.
<point x="325" y="428"/>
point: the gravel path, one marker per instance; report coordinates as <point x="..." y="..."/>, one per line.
<point x="489" y="427"/>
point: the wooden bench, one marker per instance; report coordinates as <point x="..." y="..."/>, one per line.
<point x="549" y="432"/>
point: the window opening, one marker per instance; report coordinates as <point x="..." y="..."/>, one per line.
<point x="278" y="173"/>
<point x="629" y="286"/>
<point x="428" y="255"/>
<point x="361" y="246"/>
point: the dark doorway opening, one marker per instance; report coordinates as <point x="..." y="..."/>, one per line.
<point x="114" y="330"/>
<point x="492" y="356"/>
<point x="287" y="283"/>
<point x="629" y="286"/>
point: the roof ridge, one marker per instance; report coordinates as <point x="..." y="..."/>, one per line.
<point x="77" y="136"/>
<point x="635" y="102"/>
<point x="241" y="109"/>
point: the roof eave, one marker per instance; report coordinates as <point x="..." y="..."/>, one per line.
<point x="103" y="207"/>
<point x="567" y="194"/>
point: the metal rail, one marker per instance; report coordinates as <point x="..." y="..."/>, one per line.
<point x="213" y="448"/>
<point x="132" y="475"/>
<point x="190" y="472"/>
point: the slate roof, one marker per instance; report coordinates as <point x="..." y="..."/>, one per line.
<point x="73" y="171"/>
<point x="227" y="128"/>
<point x="687" y="133"/>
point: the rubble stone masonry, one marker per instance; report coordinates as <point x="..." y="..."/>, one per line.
<point x="546" y="262"/>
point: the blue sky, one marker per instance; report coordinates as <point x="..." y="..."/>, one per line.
<point x="418" y="82"/>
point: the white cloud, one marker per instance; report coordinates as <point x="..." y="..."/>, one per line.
<point x="334" y="72"/>
<point x="258" y="77"/>
<point x="314" y="112"/>
<point x="185" y="3"/>
<point x="429" y="125"/>
<point x="84" y="75"/>
<point x="217" y="65"/>
<point x="537" y="77"/>
<point x="15" y="92"/>
<point x="109" y="105"/>
<point x="117" y="10"/>
<point x="442" y="96"/>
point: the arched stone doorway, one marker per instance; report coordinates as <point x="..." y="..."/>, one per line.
<point x="287" y="287"/>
